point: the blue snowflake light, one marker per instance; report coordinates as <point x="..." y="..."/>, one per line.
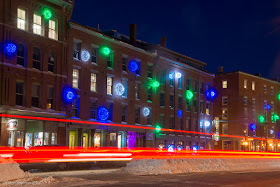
<point x="211" y="94"/>
<point x="146" y="111"/>
<point x="268" y="107"/>
<point x="10" y="48"/>
<point x="102" y="113"/>
<point x="171" y="75"/>
<point x="85" y="56"/>
<point x="68" y="95"/>
<point x="133" y="66"/>
<point x="180" y="113"/>
<point x="253" y="126"/>
<point x="207" y="123"/>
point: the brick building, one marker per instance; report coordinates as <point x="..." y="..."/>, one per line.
<point x="247" y="105"/>
<point x="33" y="60"/>
<point x="114" y="78"/>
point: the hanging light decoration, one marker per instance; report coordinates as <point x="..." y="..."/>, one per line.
<point x="68" y="95"/>
<point x="120" y="89"/>
<point x="171" y="75"/>
<point x="207" y="123"/>
<point x="47" y="13"/>
<point x="133" y="66"/>
<point x="158" y="128"/>
<point x="155" y="84"/>
<point x="85" y="56"/>
<point x="178" y="75"/>
<point x="102" y="113"/>
<point x="10" y="48"/>
<point x="253" y="126"/>
<point x="180" y="113"/>
<point x="105" y="51"/>
<point x="261" y="119"/>
<point x="189" y="94"/>
<point x="211" y="94"/>
<point x="146" y="111"/>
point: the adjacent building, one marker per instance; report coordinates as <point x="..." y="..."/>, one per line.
<point x="247" y="105"/>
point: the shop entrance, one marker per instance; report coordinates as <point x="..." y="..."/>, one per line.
<point x="34" y="133"/>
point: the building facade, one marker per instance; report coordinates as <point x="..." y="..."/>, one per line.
<point x="246" y="106"/>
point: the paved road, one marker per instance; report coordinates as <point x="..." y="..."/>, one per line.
<point x="115" y="177"/>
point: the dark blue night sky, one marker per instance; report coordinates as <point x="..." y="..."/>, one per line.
<point x="239" y="35"/>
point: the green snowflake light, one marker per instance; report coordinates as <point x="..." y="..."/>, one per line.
<point x="47" y="13"/>
<point x="189" y="94"/>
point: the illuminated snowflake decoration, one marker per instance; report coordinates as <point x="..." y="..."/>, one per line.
<point x="271" y="131"/>
<point x="10" y="48"/>
<point x="178" y="75"/>
<point x="207" y="123"/>
<point x="180" y="113"/>
<point x="70" y="95"/>
<point x="102" y="113"/>
<point x="85" y="56"/>
<point x="120" y="89"/>
<point x="171" y="75"/>
<point x="133" y="66"/>
<point x="146" y="111"/>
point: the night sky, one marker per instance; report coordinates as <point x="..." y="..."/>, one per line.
<point x="239" y="35"/>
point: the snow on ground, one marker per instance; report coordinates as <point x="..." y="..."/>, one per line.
<point x="172" y="166"/>
<point x="11" y="171"/>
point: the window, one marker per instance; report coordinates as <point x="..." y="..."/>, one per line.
<point x="265" y="104"/>
<point x="245" y="99"/>
<point x="149" y="118"/>
<point x="150" y="71"/>
<point x="264" y="89"/>
<point x="93" y="104"/>
<point x="110" y="60"/>
<point x="137" y="91"/>
<point x="171" y="122"/>
<point x="77" y="50"/>
<point x="189" y="84"/>
<point x="50" y="101"/>
<point x="37" y="58"/>
<point x="124" y="63"/>
<point x="171" y="101"/>
<point x="180" y="123"/>
<point x="171" y="81"/>
<point x="109" y="85"/>
<point x="201" y="88"/>
<point x="20" y="93"/>
<point x="207" y="108"/>
<point x="51" y="62"/>
<point x="138" y="71"/>
<point x="253" y="86"/>
<point x="180" y="102"/>
<point x="271" y="90"/>
<point x="188" y="105"/>
<point x="195" y="105"/>
<point x="245" y="83"/>
<point x="94" y="52"/>
<point x="272" y="106"/>
<point x="225" y="113"/>
<point x="224" y="85"/>
<point x="36" y="93"/>
<point x="124" y="113"/>
<point x="253" y="102"/>
<point x="162" y="120"/>
<point x="76" y="78"/>
<point x="195" y="86"/>
<point x="225" y="128"/>
<point x="224" y="100"/>
<point x="21" y="19"/>
<point x="52" y="29"/>
<point x="37" y="24"/>
<point x="21" y="55"/>
<point x="245" y="112"/>
<point x="137" y="115"/>
<point x="75" y="108"/>
<point x="150" y="91"/>
<point x="124" y="83"/>
<point x="161" y="100"/>
<point x="163" y="77"/>
<point x="201" y="107"/>
<point x="180" y="82"/>
<point x="93" y="82"/>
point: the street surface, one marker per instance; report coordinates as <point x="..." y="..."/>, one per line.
<point x="115" y="177"/>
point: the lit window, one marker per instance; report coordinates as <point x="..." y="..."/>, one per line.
<point x="93" y="82"/>
<point x="224" y="113"/>
<point x="253" y="85"/>
<point x="50" y="101"/>
<point x="224" y="84"/>
<point x="109" y="85"/>
<point x="77" y="50"/>
<point x="21" y="19"/>
<point x="264" y="89"/>
<point x="52" y="30"/>
<point x="224" y="100"/>
<point x="37" y="24"/>
<point x="245" y="84"/>
<point x="76" y="76"/>
<point x="207" y="108"/>
<point x="124" y="63"/>
<point x="225" y="128"/>
<point x="171" y="81"/>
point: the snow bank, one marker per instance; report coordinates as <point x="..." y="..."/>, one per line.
<point x="11" y="171"/>
<point x="172" y="166"/>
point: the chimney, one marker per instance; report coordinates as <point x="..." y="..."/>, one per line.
<point x="133" y="34"/>
<point x="220" y="69"/>
<point x="163" y="42"/>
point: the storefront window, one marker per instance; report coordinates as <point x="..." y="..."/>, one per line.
<point x="97" y="140"/>
<point x="47" y="138"/>
<point x="54" y="138"/>
<point x="38" y="138"/>
<point x="28" y="139"/>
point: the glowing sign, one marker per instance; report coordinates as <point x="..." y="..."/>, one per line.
<point x="12" y="124"/>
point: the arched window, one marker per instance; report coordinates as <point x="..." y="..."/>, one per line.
<point x="51" y="62"/>
<point x="21" y="55"/>
<point x="37" y="58"/>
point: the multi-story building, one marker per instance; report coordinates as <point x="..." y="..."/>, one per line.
<point x="248" y="107"/>
<point x="33" y="60"/>
<point x="52" y="67"/>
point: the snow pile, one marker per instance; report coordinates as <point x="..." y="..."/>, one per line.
<point x="11" y="171"/>
<point x="170" y="166"/>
